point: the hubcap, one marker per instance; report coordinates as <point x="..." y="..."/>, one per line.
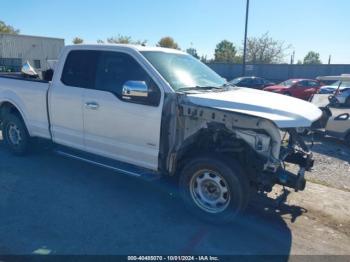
<point x="14" y="134"/>
<point x="210" y="191"/>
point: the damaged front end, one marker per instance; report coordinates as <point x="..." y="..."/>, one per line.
<point x="256" y="141"/>
<point x="293" y="151"/>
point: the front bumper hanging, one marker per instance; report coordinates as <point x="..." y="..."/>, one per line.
<point x="301" y="157"/>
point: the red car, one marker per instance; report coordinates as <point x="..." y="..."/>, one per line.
<point x="300" y="88"/>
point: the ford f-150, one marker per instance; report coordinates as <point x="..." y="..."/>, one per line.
<point x="147" y="111"/>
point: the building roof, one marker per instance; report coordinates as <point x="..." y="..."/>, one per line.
<point x="30" y="36"/>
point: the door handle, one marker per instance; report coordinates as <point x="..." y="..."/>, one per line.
<point x="92" y="105"/>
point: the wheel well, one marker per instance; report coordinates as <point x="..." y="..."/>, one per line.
<point x="220" y="142"/>
<point x="8" y="108"/>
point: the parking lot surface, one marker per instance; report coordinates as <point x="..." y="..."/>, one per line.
<point x="54" y="205"/>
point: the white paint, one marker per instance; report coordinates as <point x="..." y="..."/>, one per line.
<point x="284" y="111"/>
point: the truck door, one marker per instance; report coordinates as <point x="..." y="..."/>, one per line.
<point x="119" y="126"/>
<point x="66" y="97"/>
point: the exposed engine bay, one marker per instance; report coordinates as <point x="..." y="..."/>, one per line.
<point x="255" y="141"/>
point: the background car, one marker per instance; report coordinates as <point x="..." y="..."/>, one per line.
<point x="341" y="95"/>
<point x="339" y="127"/>
<point x="299" y="88"/>
<point x="251" y="82"/>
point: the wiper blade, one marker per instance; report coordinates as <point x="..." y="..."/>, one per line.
<point x="199" y="87"/>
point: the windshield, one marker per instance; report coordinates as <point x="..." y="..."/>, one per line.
<point x="183" y="71"/>
<point x="343" y="84"/>
<point x="236" y="80"/>
<point x="287" y="83"/>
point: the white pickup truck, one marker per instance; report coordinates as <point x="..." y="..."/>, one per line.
<point x="146" y="112"/>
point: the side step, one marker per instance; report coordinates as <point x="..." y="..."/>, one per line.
<point x="104" y="162"/>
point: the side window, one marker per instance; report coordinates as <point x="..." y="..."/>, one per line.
<point x="245" y="81"/>
<point x="313" y="84"/>
<point x="302" y="84"/>
<point x="37" y="64"/>
<point x="259" y="81"/>
<point x="80" y="68"/>
<point x="115" y="69"/>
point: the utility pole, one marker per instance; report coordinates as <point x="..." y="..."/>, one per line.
<point x="245" y="37"/>
<point x="292" y="58"/>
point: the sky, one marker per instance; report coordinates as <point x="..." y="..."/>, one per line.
<point x="319" y="25"/>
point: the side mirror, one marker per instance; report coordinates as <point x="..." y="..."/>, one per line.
<point x="28" y="70"/>
<point x="133" y="89"/>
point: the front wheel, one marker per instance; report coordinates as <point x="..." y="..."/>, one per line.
<point x="214" y="188"/>
<point x="15" y="134"/>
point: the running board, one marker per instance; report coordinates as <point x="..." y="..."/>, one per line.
<point x="103" y="162"/>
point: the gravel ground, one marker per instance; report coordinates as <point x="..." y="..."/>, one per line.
<point x="332" y="160"/>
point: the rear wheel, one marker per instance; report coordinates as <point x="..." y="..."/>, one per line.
<point x="214" y="189"/>
<point x="15" y="134"/>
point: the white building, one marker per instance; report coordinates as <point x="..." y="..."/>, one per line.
<point x="17" y="49"/>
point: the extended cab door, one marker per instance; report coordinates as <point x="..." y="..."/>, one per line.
<point x="117" y="126"/>
<point x="66" y="97"/>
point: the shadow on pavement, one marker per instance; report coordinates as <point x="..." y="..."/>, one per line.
<point x="59" y="206"/>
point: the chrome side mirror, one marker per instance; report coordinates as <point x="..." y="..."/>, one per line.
<point x="135" y="89"/>
<point x="28" y="70"/>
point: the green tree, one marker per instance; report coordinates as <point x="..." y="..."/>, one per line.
<point x="168" y="42"/>
<point x="99" y="41"/>
<point x="265" y="50"/>
<point x="192" y="51"/>
<point x="225" y="52"/>
<point x="312" y="58"/>
<point x="204" y="59"/>
<point x="77" y="40"/>
<point x="4" y="28"/>
<point x="123" y="39"/>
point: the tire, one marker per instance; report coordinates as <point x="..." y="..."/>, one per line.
<point x="15" y="134"/>
<point x="214" y="189"/>
<point x="287" y="94"/>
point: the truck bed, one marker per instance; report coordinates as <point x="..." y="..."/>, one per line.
<point x="28" y="95"/>
<point x="19" y="76"/>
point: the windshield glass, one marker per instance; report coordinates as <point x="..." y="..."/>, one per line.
<point x="183" y="71"/>
<point x="343" y="84"/>
<point x="287" y="83"/>
<point x="236" y="80"/>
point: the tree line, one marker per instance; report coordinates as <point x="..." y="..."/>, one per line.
<point x="260" y="50"/>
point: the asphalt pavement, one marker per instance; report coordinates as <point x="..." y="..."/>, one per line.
<point x="53" y="205"/>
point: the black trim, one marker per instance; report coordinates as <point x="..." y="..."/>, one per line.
<point x="23" y="78"/>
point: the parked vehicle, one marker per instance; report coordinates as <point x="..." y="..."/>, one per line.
<point x="339" y="91"/>
<point x="333" y="125"/>
<point x="299" y="88"/>
<point x="339" y="127"/>
<point x="252" y="82"/>
<point x="151" y="112"/>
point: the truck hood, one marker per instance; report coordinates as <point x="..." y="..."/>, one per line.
<point x="284" y="111"/>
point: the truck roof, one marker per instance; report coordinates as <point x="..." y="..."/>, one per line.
<point x="125" y="46"/>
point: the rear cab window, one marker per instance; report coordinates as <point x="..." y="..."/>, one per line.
<point x="80" y="68"/>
